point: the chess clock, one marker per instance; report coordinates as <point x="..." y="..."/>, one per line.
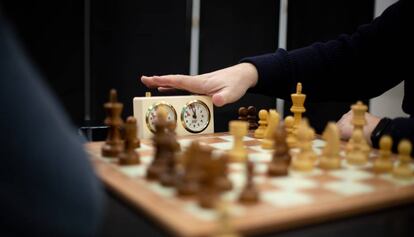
<point x="151" y="115"/>
<point x="195" y="116"/>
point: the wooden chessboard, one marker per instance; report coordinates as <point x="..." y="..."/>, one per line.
<point x="286" y="202"/>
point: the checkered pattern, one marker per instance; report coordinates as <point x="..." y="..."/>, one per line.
<point x="293" y="191"/>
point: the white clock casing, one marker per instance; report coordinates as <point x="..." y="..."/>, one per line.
<point x="143" y="104"/>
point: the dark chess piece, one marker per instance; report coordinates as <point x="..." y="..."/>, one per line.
<point x="223" y="182"/>
<point x="252" y="118"/>
<point x="188" y="180"/>
<point x="136" y="142"/>
<point x="280" y="163"/>
<point x="250" y="194"/>
<point x="169" y="176"/>
<point x="242" y="114"/>
<point x="129" y="156"/>
<point x="208" y="192"/>
<point x="113" y="143"/>
<point x="171" y="126"/>
<point x="161" y="143"/>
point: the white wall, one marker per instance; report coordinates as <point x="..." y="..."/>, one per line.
<point x="389" y="103"/>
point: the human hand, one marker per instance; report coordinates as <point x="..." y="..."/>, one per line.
<point x="345" y="126"/>
<point x="224" y="86"/>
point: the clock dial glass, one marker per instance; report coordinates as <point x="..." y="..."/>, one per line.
<point x="195" y="116"/>
<point x="151" y="116"/>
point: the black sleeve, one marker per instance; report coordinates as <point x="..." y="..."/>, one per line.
<point x="352" y="67"/>
<point x="47" y="184"/>
<point x="398" y="129"/>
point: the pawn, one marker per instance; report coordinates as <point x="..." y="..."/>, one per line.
<point x="259" y="132"/>
<point x="225" y="229"/>
<point x="223" y="183"/>
<point x="250" y="194"/>
<point x="304" y="161"/>
<point x="113" y="110"/>
<point x="135" y="140"/>
<point x="238" y="129"/>
<point x="251" y="117"/>
<point x="403" y="169"/>
<point x="289" y="127"/>
<point x="129" y="156"/>
<point x="330" y="158"/>
<point x="383" y="163"/>
<point x="243" y="113"/>
<point x="356" y="150"/>
<point x="281" y="156"/>
<point x="272" y="122"/>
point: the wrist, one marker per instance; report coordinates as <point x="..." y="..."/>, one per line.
<point x="251" y="73"/>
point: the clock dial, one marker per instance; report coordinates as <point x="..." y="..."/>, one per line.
<point x="151" y="115"/>
<point x="195" y="116"/>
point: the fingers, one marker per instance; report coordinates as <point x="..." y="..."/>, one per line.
<point x="184" y="82"/>
<point x="165" y="89"/>
<point x="223" y="97"/>
<point x="148" y="82"/>
<point x="218" y="99"/>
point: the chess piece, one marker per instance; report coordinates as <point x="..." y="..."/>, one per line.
<point x="168" y="177"/>
<point x="298" y="101"/>
<point x="113" y="143"/>
<point x="208" y="193"/>
<point x="290" y="137"/>
<point x="129" y="156"/>
<point x="223" y="182"/>
<point x="250" y="194"/>
<point x="188" y="180"/>
<point x="359" y="121"/>
<point x="259" y="132"/>
<point x="356" y="150"/>
<point x="162" y="144"/>
<point x="171" y="127"/>
<point x="304" y="161"/>
<point x="281" y="156"/>
<point x="224" y="226"/>
<point x="251" y="117"/>
<point x="243" y="113"/>
<point x="330" y="158"/>
<point x="273" y="119"/>
<point x="383" y="163"/>
<point x="403" y="169"/>
<point x="135" y="140"/>
<point x="238" y="129"/>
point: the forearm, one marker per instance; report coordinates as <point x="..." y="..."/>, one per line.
<point x="354" y="62"/>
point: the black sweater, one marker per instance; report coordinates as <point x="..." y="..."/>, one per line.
<point x="353" y="67"/>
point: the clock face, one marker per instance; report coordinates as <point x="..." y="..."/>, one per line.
<point x="151" y="116"/>
<point x="195" y="116"/>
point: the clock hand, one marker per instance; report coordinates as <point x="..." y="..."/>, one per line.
<point x="194" y="111"/>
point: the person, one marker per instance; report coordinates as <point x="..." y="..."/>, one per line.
<point x="359" y="66"/>
<point x="47" y="185"/>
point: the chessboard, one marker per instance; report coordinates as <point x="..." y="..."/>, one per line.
<point x="286" y="202"/>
